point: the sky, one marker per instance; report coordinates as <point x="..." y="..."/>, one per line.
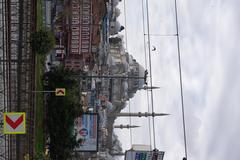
<point x="209" y="31"/>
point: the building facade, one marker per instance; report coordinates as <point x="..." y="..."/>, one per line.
<point x="84" y="33"/>
<point x="80" y="34"/>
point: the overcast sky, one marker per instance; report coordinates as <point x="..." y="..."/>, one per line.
<point x="209" y="36"/>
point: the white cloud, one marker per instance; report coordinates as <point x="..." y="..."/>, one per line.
<point x="209" y="34"/>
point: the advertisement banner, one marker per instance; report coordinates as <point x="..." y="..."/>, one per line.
<point x="86" y="129"/>
<point x="144" y="155"/>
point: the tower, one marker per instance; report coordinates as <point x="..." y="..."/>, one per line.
<point x="125" y="126"/>
<point x="149" y="87"/>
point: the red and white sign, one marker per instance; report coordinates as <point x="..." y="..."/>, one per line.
<point x="14" y="123"/>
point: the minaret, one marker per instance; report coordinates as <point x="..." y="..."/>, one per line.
<point x="149" y="87"/>
<point x="139" y="114"/>
<point x="117" y="154"/>
<point x="125" y="126"/>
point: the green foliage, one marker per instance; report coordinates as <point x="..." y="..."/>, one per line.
<point x="43" y="41"/>
<point x="61" y="112"/>
<point x="39" y="116"/>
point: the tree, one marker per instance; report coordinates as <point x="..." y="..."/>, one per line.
<point x="43" y="41"/>
<point x="61" y="113"/>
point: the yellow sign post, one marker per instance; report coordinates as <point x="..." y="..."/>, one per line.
<point x="60" y="92"/>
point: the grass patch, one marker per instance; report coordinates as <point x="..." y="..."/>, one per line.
<point x="39" y="127"/>
<point x="39" y="14"/>
<point x="39" y="71"/>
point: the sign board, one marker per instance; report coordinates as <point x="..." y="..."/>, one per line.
<point x="14" y="123"/>
<point x="144" y="155"/>
<point x="60" y="92"/>
<point x="86" y="128"/>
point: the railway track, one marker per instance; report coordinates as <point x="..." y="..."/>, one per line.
<point x="17" y="70"/>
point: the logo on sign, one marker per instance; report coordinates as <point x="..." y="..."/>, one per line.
<point x="83" y="132"/>
<point x="14" y="123"/>
<point x="60" y="92"/>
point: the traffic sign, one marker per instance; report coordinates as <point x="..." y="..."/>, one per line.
<point x="60" y="92"/>
<point x="14" y="123"/>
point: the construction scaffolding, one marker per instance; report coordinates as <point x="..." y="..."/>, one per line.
<point x="17" y="68"/>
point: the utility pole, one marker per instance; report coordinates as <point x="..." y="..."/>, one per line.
<point x="113" y="76"/>
<point x="110" y="76"/>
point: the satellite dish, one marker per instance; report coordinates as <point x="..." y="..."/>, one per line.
<point x="154" y="48"/>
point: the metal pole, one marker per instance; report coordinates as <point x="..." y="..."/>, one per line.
<point x="139" y="114"/>
<point x="150" y="68"/>
<point x="110" y="77"/>
<point x="43" y="91"/>
<point x="180" y="79"/>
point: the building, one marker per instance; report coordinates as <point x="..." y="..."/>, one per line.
<point x="110" y="94"/>
<point x="84" y="33"/>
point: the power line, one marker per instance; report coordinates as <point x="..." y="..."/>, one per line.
<point x="145" y="55"/>
<point x="180" y="80"/>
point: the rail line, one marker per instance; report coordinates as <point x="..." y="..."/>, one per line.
<point x="17" y="70"/>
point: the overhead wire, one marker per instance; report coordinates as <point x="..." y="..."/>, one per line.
<point x="150" y="70"/>
<point x="146" y="65"/>
<point x="180" y="80"/>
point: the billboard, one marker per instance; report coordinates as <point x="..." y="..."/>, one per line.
<point x="144" y="155"/>
<point x="86" y="128"/>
